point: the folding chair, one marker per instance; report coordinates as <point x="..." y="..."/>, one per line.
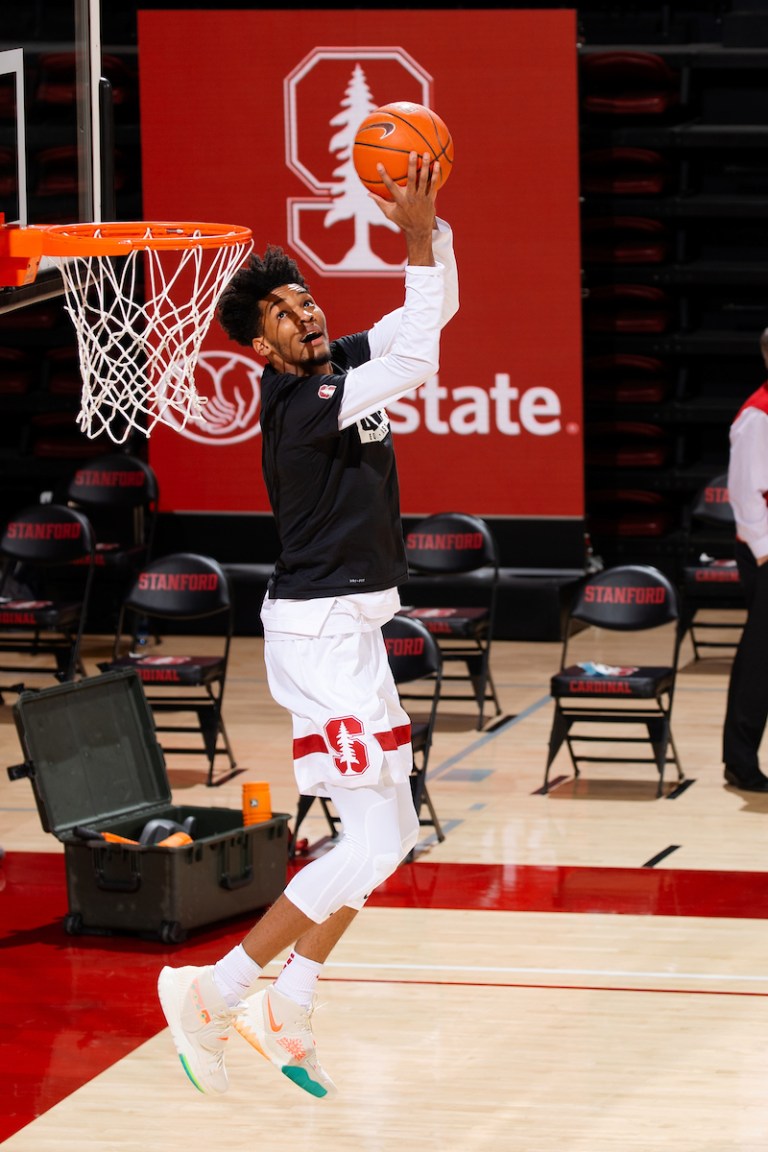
<point x="454" y="568"/>
<point x="415" y="659"/>
<point x="37" y="619"/>
<point x="627" y="599"/>
<point x="183" y="586"/>
<point x="712" y="582"/>
<point x="119" y="494"/>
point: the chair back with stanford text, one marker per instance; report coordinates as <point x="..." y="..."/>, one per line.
<point x="622" y="683"/>
<point x="47" y="553"/>
<point x="452" y="589"/>
<point x="171" y="596"/>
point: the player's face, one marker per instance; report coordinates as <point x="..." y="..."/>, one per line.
<point x="294" y="332"/>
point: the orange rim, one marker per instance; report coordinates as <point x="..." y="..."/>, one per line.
<point x="120" y="237"/>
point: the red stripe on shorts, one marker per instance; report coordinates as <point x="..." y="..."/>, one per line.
<point x="391" y="741"/>
<point x="307" y="745"/>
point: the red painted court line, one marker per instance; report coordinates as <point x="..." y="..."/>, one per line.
<point x="535" y="888"/>
<point x="90" y="1000"/>
<point x="542" y="987"/>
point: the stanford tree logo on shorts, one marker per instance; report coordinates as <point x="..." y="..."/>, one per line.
<point x="344" y="738"/>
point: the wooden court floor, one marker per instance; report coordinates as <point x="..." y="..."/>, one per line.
<point x="579" y="971"/>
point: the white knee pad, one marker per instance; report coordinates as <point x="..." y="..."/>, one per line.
<point x="372" y="846"/>
<point x="383" y="866"/>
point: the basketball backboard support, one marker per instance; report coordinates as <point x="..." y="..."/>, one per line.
<point x="63" y="125"/>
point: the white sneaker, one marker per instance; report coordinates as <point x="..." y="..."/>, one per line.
<point x="280" y="1029"/>
<point x="200" y="1021"/>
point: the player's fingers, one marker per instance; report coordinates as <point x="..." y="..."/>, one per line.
<point x="423" y="172"/>
<point x="387" y="181"/>
<point x="435" y="178"/>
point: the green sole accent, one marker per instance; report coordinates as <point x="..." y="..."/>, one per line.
<point x="303" y="1080"/>
<point x="188" y="1071"/>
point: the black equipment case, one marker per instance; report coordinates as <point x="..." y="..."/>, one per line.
<point x="92" y="756"/>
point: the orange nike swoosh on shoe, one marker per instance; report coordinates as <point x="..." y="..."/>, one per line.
<point x="272" y="1022"/>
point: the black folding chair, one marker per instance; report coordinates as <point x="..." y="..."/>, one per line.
<point x="627" y="599"/>
<point x="452" y="589"/>
<point x="711" y="582"/>
<point x="47" y="554"/>
<point x="181" y="587"/>
<point x="119" y="495"/>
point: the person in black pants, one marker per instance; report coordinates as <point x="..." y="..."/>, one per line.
<point x="747" y="709"/>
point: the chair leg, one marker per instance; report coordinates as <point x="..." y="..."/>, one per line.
<point x="211" y="725"/>
<point x="658" y="734"/>
<point x="421" y="796"/>
<point x="561" y="726"/>
<point x="482" y="684"/>
<point x="675" y="757"/>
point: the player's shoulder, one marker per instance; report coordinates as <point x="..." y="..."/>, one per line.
<point x="350" y="351"/>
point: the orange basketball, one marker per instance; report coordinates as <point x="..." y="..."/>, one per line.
<point x="390" y="133"/>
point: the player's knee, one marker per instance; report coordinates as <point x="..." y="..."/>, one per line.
<point x="382" y="866"/>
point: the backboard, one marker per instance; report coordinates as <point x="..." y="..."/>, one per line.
<point x="55" y="126"/>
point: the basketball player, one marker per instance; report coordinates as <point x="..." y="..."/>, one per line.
<point x="747" y="709"/>
<point x="330" y="472"/>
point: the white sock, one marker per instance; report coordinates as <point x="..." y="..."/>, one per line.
<point x="298" y="979"/>
<point x="235" y="974"/>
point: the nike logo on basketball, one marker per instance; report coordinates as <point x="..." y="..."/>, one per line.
<point x="386" y="127"/>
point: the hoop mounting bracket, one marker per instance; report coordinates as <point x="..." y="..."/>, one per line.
<point x="21" y="250"/>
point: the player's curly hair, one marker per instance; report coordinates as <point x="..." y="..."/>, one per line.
<point x="238" y="309"/>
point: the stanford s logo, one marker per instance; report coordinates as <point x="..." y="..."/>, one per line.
<point x="335" y="226"/>
<point x="344" y="736"/>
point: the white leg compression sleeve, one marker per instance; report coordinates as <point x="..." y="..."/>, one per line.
<point x="380" y="826"/>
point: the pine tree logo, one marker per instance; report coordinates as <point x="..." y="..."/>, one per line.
<point x="351" y="200"/>
<point x="327" y="96"/>
<point x="344" y="736"/>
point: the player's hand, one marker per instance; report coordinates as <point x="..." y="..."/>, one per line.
<point x="411" y="203"/>
<point x="412" y="207"/>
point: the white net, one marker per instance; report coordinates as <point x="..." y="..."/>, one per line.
<point x="140" y="321"/>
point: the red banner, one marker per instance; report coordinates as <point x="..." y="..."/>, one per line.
<point x="248" y="117"/>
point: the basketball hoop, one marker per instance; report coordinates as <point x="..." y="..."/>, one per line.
<point x="139" y="336"/>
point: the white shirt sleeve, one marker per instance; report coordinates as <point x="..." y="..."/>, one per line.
<point x="405" y="344"/>
<point x="748" y="478"/>
<point x="383" y="332"/>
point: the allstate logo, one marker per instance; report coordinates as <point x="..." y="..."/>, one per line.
<point x="336" y="227"/>
<point x="230" y="386"/>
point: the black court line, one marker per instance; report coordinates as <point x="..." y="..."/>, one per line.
<point x="654" y="860"/>
<point x="683" y="786"/>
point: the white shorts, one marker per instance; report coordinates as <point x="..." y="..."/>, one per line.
<point x="349" y="728"/>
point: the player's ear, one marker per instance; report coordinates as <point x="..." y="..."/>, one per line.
<point x="260" y="345"/>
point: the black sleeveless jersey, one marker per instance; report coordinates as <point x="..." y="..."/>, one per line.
<point x="334" y="495"/>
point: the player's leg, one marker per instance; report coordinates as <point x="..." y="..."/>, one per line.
<point x="313" y="680"/>
<point x="747" y="706"/>
<point x="378" y="831"/>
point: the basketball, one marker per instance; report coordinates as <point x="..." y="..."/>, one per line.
<point x="387" y="136"/>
